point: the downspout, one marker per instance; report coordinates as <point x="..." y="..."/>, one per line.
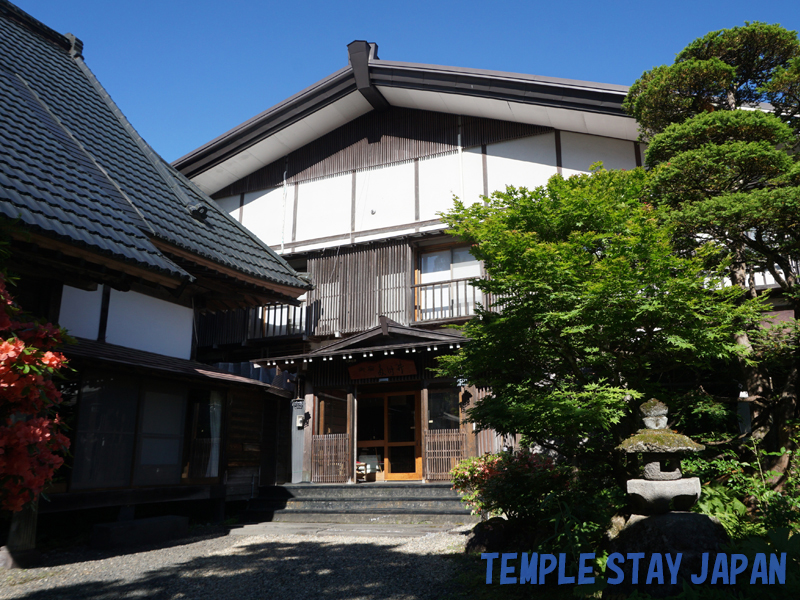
<point x="285" y="188"/>
<point x="460" y="159"/>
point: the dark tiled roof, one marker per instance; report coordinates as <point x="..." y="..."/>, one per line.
<point x="73" y="168"/>
<point x="120" y="355"/>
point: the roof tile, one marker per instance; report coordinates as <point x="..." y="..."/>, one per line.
<point x="59" y="126"/>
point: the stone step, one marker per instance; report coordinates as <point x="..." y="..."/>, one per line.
<point x="342" y="504"/>
<point x="380" y="502"/>
<point x="375" y="516"/>
<point x="368" y="490"/>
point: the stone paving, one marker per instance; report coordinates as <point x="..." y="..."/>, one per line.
<point x="264" y="561"/>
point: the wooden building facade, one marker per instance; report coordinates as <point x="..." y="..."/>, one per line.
<point x="116" y="246"/>
<point x="347" y="180"/>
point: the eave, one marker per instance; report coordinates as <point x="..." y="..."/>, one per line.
<point x="373" y="84"/>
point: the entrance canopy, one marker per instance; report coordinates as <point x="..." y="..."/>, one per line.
<point x="389" y="338"/>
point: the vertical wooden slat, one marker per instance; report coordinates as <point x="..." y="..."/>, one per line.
<point x="444" y="448"/>
<point x="380" y="138"/>
<point x="330" y="458"/>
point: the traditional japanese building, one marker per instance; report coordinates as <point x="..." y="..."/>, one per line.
<point x="115" y="245"/>
<point x="345" y="180"/>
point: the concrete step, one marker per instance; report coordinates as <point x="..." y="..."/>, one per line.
<point x="380" y="502"/>
<point x="375" y="516"/>
<point x="395" y="502"/>
<point x="361" y="490"/>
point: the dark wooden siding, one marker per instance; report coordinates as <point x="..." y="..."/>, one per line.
<point x="353" y="287"/>
<point x="381" y="138"/>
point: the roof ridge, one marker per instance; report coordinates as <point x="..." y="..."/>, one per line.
<point x="164" y="170"/>
<point x="18" y="15"/>
<point x="152" y="156"/>
<point x="84" y="150"/>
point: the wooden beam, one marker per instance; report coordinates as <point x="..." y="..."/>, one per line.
<point x="97" y="259"/>
<point x="286" y="290"/>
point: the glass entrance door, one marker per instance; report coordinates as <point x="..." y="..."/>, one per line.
<point x="389" y="434"/>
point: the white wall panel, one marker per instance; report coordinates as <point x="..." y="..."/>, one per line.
<point x="265" y="214"/>
<point x="578" y="151"/>
<point x="145" y="323"/>
<point x="385" y="196"/>
<point x="526" y="162"/>
<point x="230" y="205"/>
<point x="439" y="181"/>
<point x="323" y="207"/>
<point x="80" y="311"/>
<point x="473" y="176"/>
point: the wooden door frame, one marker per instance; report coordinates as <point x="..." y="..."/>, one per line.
<point x="386" y="444"/>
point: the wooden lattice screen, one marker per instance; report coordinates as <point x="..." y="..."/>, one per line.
<point x="444" y="448"/>
<point x="329" y="458"/>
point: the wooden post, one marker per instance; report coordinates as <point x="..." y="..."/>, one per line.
<point x="308" y="432"/>
<point x="471" y="435"/>
<point x="20" y="551"/>
<point x="351" y="458"/>
<point x="424" y="417"/>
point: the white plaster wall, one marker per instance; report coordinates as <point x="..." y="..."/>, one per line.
<point x="80" y="311"/>
<point x="473" y="176"/>
<point x="145" y="323"/>
<point x="265" y="215"/>
<point x="385" y="196"/>
<point x="323" y="207"/>
<point x="439" y="181"/>
<point x="230" y="205"/>
<point x="578" y="151"/>
<point x="526" y="162"/>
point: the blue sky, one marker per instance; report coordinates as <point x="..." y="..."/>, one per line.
<point x="185" y="72"/>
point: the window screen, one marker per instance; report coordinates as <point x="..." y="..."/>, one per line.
<point x="106" y="431"/>
<point x="160" y="440"/>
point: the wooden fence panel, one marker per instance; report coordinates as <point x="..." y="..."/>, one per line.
<point x="444" y="448"/>
<point x="329" y="456"/>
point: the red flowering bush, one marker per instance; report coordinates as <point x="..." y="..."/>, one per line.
<point x="30" y="430"/>
<point x="512" y="484"/>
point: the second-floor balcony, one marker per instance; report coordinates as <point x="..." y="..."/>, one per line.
<point x="453" y="300"/>
<point x="446" y="300"/>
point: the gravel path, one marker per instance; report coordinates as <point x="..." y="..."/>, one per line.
<point x="273" y="565"/>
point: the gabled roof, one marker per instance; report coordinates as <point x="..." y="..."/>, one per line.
<point x="73" y="169"/>
<point x="369" y="83"/>
<point x="385" y="337"/>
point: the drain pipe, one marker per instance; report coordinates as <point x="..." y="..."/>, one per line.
<point x="283" y="224"/>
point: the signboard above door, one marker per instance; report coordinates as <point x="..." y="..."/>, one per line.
<point x="388" y="367"/>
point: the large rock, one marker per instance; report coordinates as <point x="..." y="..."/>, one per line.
<point x="678" y="532"/>
<point x="495" y="535"/>
<point x="656" y="497"/>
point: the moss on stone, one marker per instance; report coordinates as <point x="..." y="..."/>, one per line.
<point x="659" y="441"/>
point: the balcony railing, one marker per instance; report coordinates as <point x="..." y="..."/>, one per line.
<point x="446" y="300"/>
<point x="345" y="313"/>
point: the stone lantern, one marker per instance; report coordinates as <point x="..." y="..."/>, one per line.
<point x="663" y="488"/>
<point x="658" y="523"/>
